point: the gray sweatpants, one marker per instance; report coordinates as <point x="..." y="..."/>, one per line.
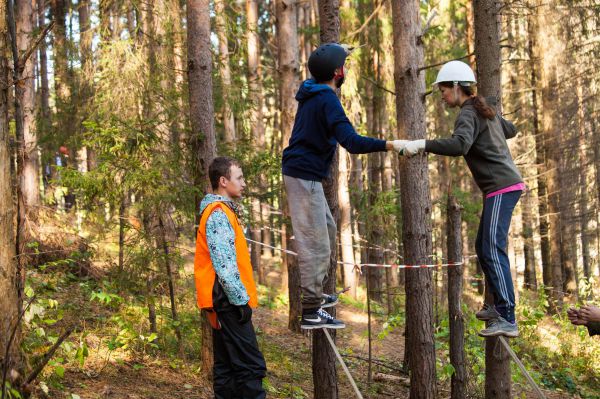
<point x="314" y="235"/>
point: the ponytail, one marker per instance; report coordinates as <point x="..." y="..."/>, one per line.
<point x="481" y="106"/>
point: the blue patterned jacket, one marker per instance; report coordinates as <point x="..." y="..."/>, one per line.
<point x="221" y="245"/>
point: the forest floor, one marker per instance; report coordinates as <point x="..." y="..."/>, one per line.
<point x="119" y="372"/>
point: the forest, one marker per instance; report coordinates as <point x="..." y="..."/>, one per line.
<point x="111" y="112"/>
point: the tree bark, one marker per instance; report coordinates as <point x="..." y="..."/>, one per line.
<point x="568" y="246"/>
<point x="86" y="38"/>
<point x="549" y="52"/>
<point x="487" y="50"/>
<point x="389" y="256"/>
<point x="202" y="121"/>
<point x="44" y="88"/>
<point x="255" y="98"/>
<point x="62" y="75"/>
<point x="374" y="230"/>
<point x="416" y="204"/>
<point x="533" y="52"/>
<point x="164" y="244"/>
<point x="323" y="357"/>
<point x="225" y="71"/>
<point x="30" y="183"/>
<point x="584" y="212"/>
<point x="200" y="90"/>
<point x="9" y="285"/>
<point x="457" y="328"/>
<point x="530" y="277"/>
<point x="345" y="227"/>
<point x="287" y="38"/>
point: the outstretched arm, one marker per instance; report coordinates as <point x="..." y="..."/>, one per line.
<point x="465" y="130"/>
<point x="343" y="131"/>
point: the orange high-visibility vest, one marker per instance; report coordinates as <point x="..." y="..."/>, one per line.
<point x="204" y="272"/>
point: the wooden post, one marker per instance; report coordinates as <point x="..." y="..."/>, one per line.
<point x="487" y="51"/>
<point x="414" y="194"/>
<point x="324" y="371"/>
<point x="455" y="288"/>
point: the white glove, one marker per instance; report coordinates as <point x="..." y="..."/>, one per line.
<point x="399" y="145"/>
<point x="414" y="147"/>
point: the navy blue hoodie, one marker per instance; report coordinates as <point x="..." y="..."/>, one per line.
<point x="320" y="124"/>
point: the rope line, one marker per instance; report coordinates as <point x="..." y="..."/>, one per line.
<point x="522" y="367"/>
<point x="339" y="357"/>
<point x="358" y="265"/>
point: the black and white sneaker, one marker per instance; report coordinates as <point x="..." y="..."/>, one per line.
<point x="329" y="300"/>
<point x="320" y="319"/>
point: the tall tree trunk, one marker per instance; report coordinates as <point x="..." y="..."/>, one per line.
<point x="23" y="232"/>
<point x="30" y="182"/>
<point x="389" y="257"/>
<point x="596" y="154"/>
<point x="470" y="27"/>
<point x="43" y="70"/>
<point x="375" y="235"/>
<point x="534" y="56"/>
<point x="9" y="284"/>
<point x="225" y="71"/>
<point x="86" y="36"/>
<point x="62" y="78"/>
<point x="122" y="210"/>
<point x="349" y="275"/>
<point x="549" y="52"/>
<point x="257" y="126"/>
<point x="530" y="278"/>
<point x="200" y="90"/>
<point x="151" y="302"/>
<point x="202" y="138"/>
<point x="287" y="37"/>
<point x="416" y="204"/>
<point x="356" y="184"/>
<point x="131" y="22"/>
<point x="457" y="327"/>
<point x="584" y="212"/>
<point x="568" y="246"/>
<point x="487" y="50"/>
<point x="345" y="227"/>
<point x="323" y="357"/>
<point x="174" y="56"/>
<point x="164" y="244"/>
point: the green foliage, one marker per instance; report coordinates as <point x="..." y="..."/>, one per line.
<point x="568" y="368"/>
<point x="392" y="323"/>
<point x="12" y="393"/>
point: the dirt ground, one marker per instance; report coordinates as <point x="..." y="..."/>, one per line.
<point x="288" y="355"/>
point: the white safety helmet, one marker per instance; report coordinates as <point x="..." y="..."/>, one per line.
<point x="456" y="72"/>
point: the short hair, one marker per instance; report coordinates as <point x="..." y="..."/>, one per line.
<point x="221" y="167"/>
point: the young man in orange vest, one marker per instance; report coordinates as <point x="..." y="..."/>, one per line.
<point x="225" y="286"/>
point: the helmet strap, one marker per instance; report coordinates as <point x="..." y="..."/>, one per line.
<point x="455" y="91"/>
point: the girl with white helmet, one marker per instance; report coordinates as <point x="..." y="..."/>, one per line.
<point x="480" y="136"/>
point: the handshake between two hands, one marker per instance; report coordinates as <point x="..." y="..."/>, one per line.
<point x="409" y="148"/>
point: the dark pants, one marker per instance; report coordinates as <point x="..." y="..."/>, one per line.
<point x="239" y="365"/>
<point x="491" y="244"/>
